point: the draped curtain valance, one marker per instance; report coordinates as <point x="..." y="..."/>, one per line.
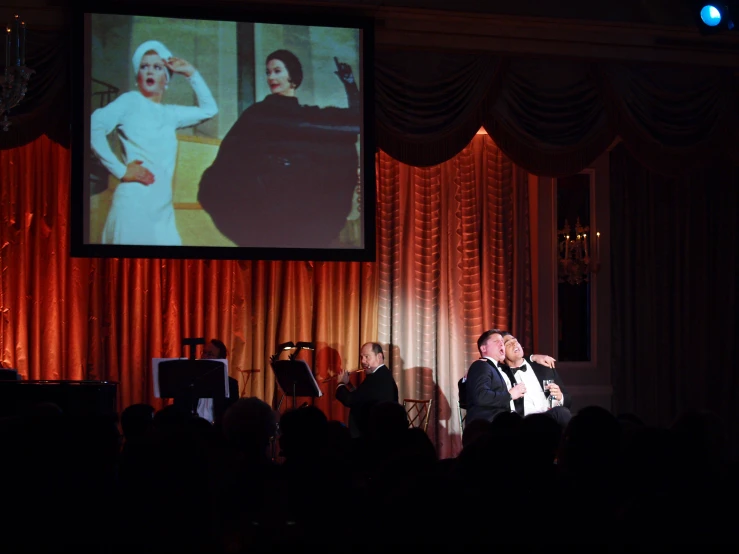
<point x="550" y="116"/>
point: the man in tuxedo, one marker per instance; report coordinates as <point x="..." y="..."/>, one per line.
<point x="488" y="389"/>
<point x="212" y="409"/>
<point x="378" y="386"/>
<point x="531" y="375"/>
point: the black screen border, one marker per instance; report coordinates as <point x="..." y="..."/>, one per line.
<point x="291" y="15"/>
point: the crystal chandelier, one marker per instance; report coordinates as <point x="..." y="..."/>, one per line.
<point x="575" y="261"/>
<point x="16" y="74"/>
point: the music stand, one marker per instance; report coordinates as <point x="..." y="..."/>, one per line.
<point x="295" y="378"/>
<point x="190" y="379"/>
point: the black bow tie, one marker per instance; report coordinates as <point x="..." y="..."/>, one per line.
<point x="506" y="368"/>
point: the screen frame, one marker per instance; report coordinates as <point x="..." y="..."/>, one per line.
<point x="292" y="15"/>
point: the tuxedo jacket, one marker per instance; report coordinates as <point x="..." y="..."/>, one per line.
<point x="543" y="372"/>
<point x="377" y="387"/>
<point x="486" y="391"/>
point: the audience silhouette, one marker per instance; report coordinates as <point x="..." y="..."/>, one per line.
<point x="173" y="482"/>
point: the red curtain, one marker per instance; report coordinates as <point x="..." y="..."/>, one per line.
<point x="453" y="260"/>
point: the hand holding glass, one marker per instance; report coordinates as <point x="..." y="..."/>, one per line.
<point x="545" y="385"/>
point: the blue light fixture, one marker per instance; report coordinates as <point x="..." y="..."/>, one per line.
<point x="711" y="15"/>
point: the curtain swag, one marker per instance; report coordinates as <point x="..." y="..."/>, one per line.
<point x="550" y="116"/>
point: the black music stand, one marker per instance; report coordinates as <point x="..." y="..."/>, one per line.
<point x="295" y="378"/>
<point x="193" y="379"/>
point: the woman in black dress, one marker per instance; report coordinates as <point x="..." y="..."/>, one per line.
<point x="285" y="173"/>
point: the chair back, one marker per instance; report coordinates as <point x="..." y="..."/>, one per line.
<point x="418" y="412"/>
<point x="462" y="412"/>
<point x="462" y="388"/>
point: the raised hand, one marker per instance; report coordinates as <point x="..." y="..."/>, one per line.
<point x="137" y="173"/>
<point x="543" y="359"/>
<point x="178" y="65"/>
<point x="517" y="391"/>
<point x="343" y="377"/>
<point x="556" y="392"/>
<point x="344" y="71"/>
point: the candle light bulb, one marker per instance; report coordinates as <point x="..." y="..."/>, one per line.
<point x="597" y="234"/>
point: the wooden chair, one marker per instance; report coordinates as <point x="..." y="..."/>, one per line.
<point x="462" y="412"/>
<point x="462" y="402"/>
<point x="418" y="412"/>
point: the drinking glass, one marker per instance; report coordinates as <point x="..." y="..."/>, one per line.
<point x="545" y="385"/>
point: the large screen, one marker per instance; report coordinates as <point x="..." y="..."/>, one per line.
<point x="239" y="137"/>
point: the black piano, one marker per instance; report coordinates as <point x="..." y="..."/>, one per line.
<point x="75" y="398"/>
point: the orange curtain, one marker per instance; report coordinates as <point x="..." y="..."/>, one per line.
<point x="448" y="267"/>
<point x="448" y="271"/>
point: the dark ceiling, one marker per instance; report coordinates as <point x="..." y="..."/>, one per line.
<point x="655" y="12"/>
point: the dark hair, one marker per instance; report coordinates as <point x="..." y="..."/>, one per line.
<point x="136" y="419"/>
<point x="222" y="350"/>
<point x="292" y="64"/>
<point x="486" y="335"/>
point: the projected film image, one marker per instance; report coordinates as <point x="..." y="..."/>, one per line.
<point x="221" y="133"/>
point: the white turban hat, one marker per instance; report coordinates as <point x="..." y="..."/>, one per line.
<point x="145" y="47"/>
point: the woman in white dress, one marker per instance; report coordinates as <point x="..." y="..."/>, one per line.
<point x="142" y="212"/>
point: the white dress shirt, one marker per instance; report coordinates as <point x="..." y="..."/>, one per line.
<point x="205" y="409"/>
<point x="534" y="400"/>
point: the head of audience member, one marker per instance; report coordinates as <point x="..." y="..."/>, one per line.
<point x="475" y="431"/>
<point x="542" y="436"/>
<point x="172" y="417"/>
<point x="249" y="426"/>
<point x="513" y="351"/>
<point x="506" y="424"/>
<point x="339" y="437"/>
<point x="490" y="345"/>
<point x="303" y="434"/>
<point x="136" y="420"/>
<point x="387" y="421"/>
<point x="215" y="350"/>
<point x="591" y="444"/>
<point x="371" y="356"/>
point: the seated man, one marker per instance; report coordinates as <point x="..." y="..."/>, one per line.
<point x="552" y="399"/>
<point x="489" y="389"/>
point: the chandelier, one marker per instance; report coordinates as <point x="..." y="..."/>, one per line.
<point x="16" y="74"/>
<point x="575" y="261"/>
